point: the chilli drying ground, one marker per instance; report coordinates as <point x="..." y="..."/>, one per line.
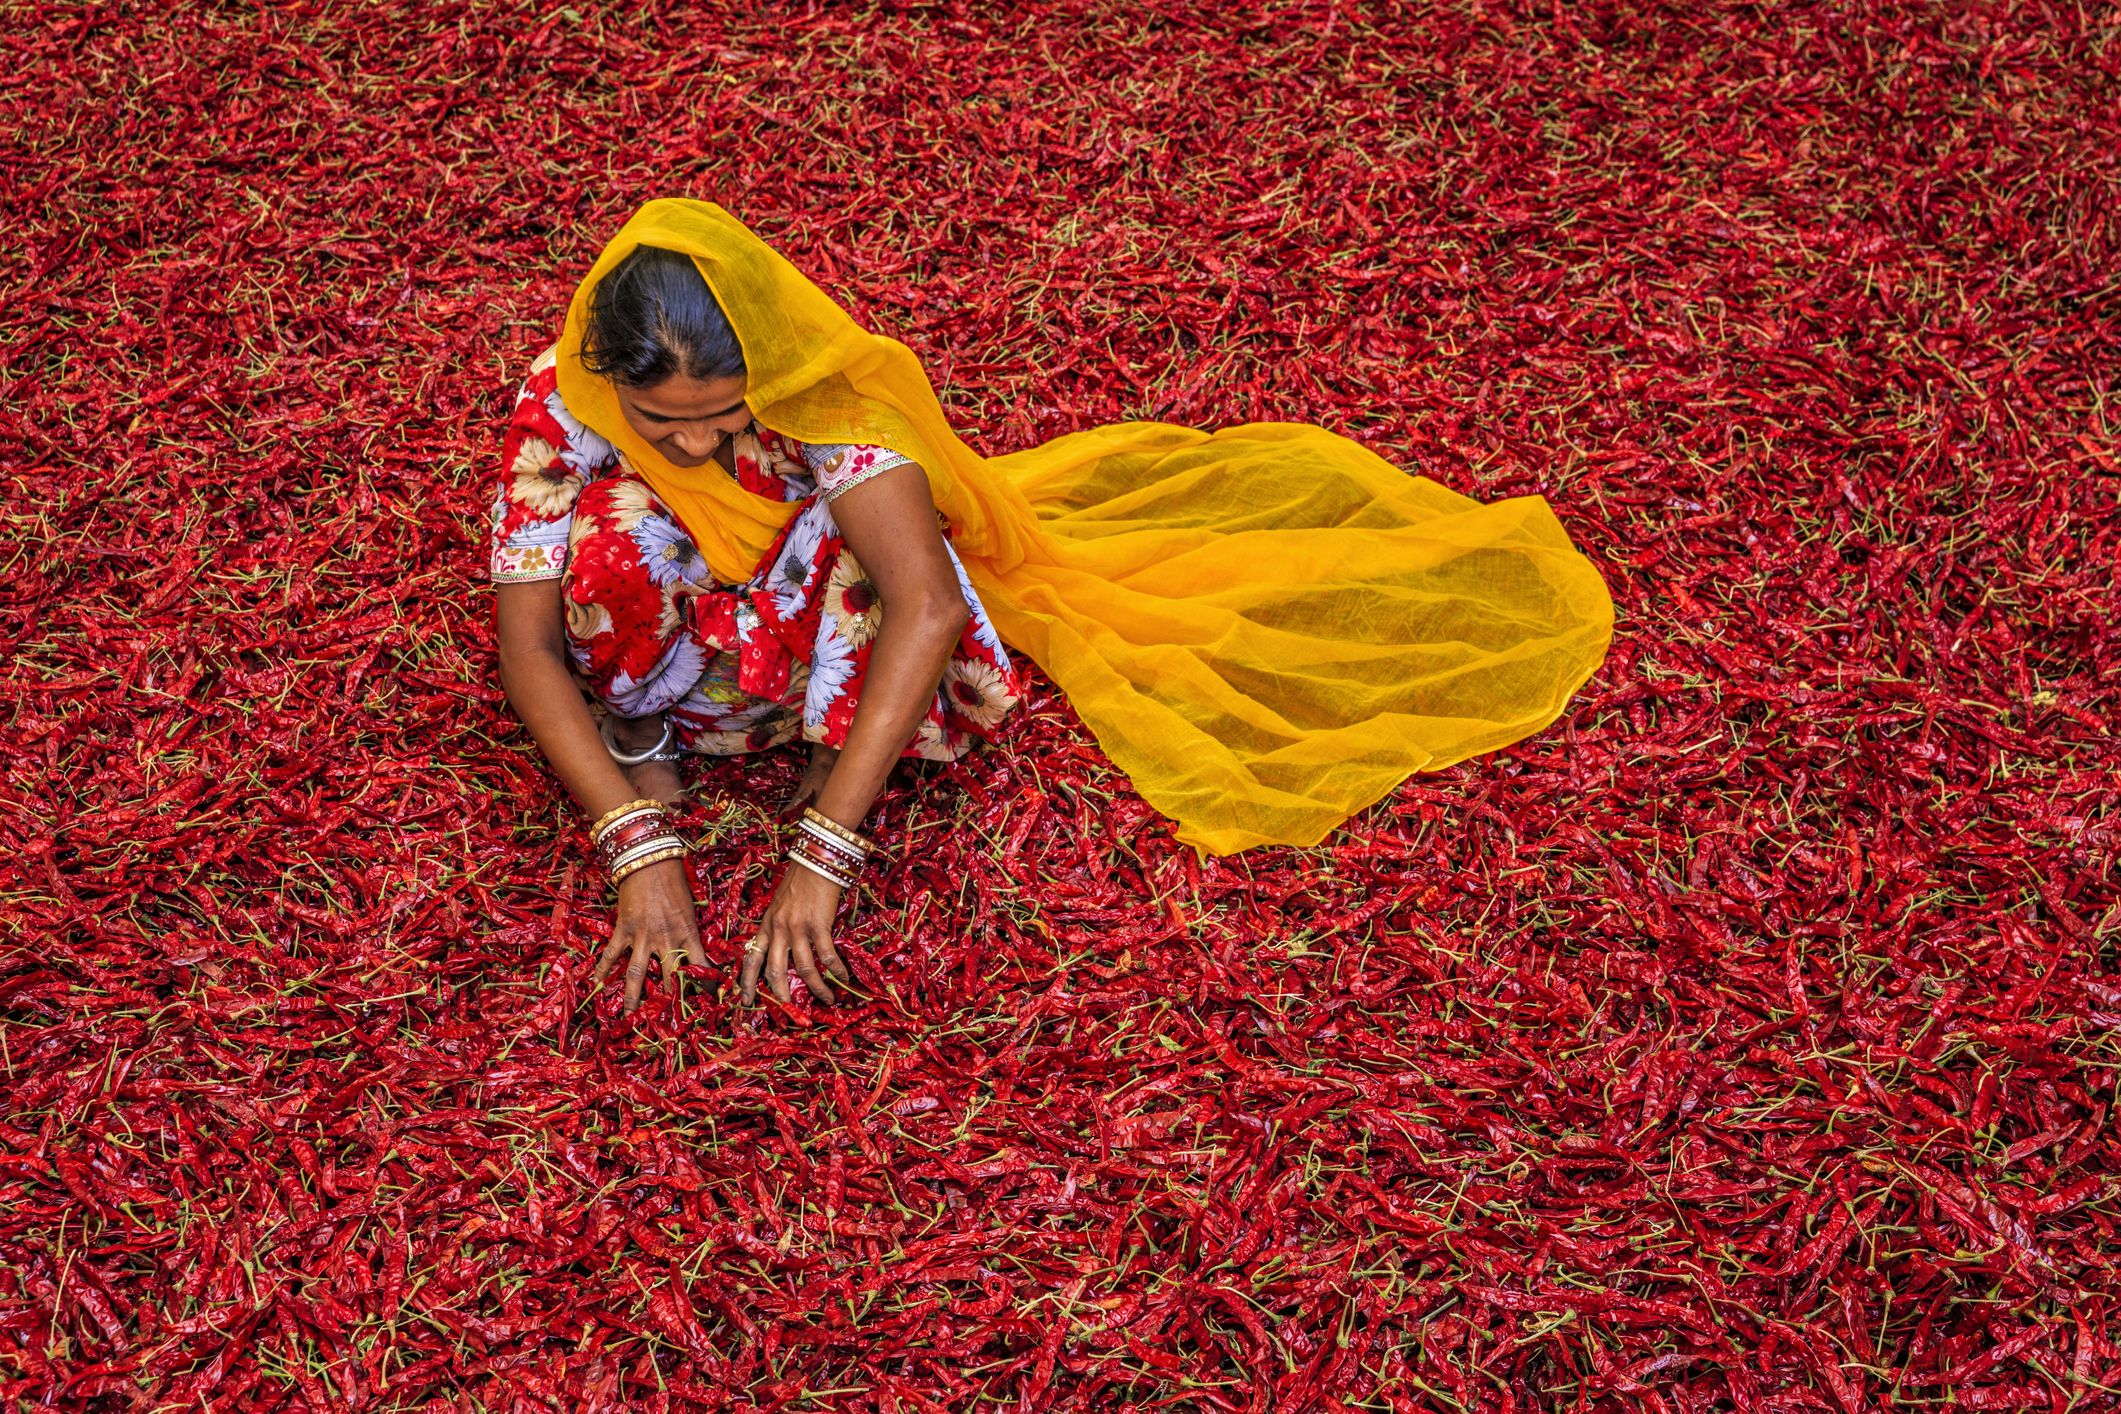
<point x="1742" y="1042"/>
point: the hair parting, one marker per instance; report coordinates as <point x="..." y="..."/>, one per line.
<point x="653" y="316"/>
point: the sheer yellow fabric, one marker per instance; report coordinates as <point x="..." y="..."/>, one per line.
<point x="1267" y="626"/>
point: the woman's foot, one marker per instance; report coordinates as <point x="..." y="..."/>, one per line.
<point x="821" y="759"/>
<point x="651" y="780"/>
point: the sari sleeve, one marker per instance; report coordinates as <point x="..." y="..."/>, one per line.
<point x="841" y="466"/>
<point x="546" y="459"/>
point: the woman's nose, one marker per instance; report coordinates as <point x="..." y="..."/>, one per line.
<point x="692" y="444"/>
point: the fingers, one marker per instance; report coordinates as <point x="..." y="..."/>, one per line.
<point x="754" y="959"/>
<point x="673" y="954"/>
<point x="810" y="958"/>
<point x="681" y="950"/>
<point x="621" y="939"/>
<point x="829" y="958"/>
<point x="671" y="939"/>
<point x="806" y="965"/>
<point x="636" y="973"/>
<point x="772" y="960"/>
<point x="777" y="970"/>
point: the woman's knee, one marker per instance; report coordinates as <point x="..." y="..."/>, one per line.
<point x="626" y="554"/>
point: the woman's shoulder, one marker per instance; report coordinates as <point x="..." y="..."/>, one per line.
<point x="540" y="411"/>
<point x="841" y="466"/>
<point x="828" y="468"/>
<point x="542" y="380"/>
<point x="539" y="390"/>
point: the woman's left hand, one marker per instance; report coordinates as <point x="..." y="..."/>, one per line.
<point x="797" y="928"/>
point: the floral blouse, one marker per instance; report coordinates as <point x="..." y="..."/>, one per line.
<point x="548" y="456"/>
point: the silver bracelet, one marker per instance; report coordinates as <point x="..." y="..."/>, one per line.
<point x="653" y="753"/>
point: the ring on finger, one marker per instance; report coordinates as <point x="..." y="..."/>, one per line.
<point x="757" y="944"/>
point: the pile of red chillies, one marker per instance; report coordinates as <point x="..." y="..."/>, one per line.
<point x="1742" y="1041"/>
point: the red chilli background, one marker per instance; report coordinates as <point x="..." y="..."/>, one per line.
<point x="1745" y="1041"/>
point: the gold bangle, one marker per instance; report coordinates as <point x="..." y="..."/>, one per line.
<point x="610" y="817"/>
<point x="635" y="866"/>
<point x="617" y="810"/>
<point x="853" y="837"/>
<point x="837" y="864"/>
<point x="641" y="849"/>
<point x="833" y="845"/>
<point x="655" y="818"/>
<point x="623" y="875"/>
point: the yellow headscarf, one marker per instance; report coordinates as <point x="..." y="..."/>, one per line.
<point x="1267" y="626"/>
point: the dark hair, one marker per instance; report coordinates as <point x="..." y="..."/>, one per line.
<point x="654" y="316"/>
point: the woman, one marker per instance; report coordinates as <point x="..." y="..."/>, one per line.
<point x="743" y="520"/>
<point x="598" y="580"/>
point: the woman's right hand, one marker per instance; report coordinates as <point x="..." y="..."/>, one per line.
<point x="655" y="918"/>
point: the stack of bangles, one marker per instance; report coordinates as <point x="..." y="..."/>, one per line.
<point x="828" y="848"/>
<point x="634" y="836"/>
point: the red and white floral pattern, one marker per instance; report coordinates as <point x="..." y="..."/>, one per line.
<point x="739" y="667"/>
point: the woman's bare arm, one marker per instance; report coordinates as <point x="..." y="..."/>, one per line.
<point x="545" y="695"/>
<point x="888" y="523"/>
<point x="655" y="912"/>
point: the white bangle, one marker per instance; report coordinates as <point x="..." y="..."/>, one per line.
<point x="820" y="870"/>
<point x="840" y="848"/>
<point x="647" y="847"/>
<point x="620" y="876"/>
<point x="598" y="836"/>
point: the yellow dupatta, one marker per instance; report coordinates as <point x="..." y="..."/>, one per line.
<point x="1266" y="626"/>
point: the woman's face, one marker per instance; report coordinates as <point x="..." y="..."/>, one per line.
<point x="686" y="418"/>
